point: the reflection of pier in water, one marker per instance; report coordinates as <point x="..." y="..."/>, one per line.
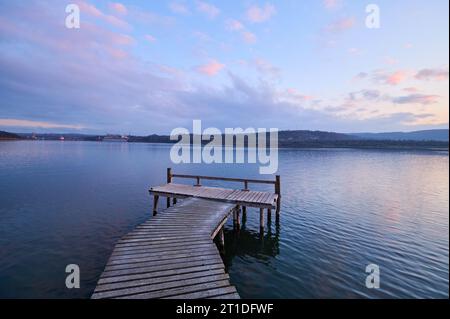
<point x="241" y="240"/>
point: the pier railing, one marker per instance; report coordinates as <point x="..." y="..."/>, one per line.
<point x="246" y="181"/>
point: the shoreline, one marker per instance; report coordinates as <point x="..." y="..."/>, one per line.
<point x="305" y="146"/>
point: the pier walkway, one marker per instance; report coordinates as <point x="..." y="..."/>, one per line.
<point x="172" y="255"/>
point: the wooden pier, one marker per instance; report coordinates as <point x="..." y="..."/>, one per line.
<point x="172" y="254"/>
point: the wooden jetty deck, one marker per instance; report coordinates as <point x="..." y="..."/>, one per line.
<point x="172" y="255"/>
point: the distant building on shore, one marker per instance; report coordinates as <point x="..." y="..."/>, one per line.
<point x="115" y="138"/>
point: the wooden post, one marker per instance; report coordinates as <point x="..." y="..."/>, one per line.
<point x="278" y="192"/>
<point x="174" y="200"/>
<point x="244" y="210"/>
<point x="198" y="181"/>
<point x="269" y="214"/>
<point x="169" y="180"/>
<point x="261" y="219"/>
<point x="221" y="238"/>
<point x="245" y="186"/>
<point x="236" y="215"/>
<point x="155" y="204"/>
<point x="238" y="222"/>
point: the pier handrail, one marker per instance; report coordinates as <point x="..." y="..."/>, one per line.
<point x="228" y="179"/>
<point x="246" y="181"/>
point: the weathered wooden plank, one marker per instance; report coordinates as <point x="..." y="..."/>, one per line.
<point x="144" y="269"/>
<point x="160" y="274"/>
<point x="155" y="287"/>
<point x="205" y="293"/>
<point x="161" y="256"/>
<point x="156" y="280"/>
<point x="171" y="253"/>
<point x="174" y="292"/>
<point x="153" y="263"/>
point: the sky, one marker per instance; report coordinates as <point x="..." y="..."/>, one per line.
<point x="144" y="67"/>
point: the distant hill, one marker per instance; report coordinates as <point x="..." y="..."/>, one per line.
<point x="429" y="139"/>
<point x="8" y="136"/>
<point x="426" y="135"/>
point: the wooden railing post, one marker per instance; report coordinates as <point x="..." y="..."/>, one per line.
<point x="155" y="204"/>
<point x="198" y="181"/>
<point x="169" y="180"/>
<point x="278" y="192"/>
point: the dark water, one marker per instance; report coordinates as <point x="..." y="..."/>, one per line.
<point x="68" y="202"/>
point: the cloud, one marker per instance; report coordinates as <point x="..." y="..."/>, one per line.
<point x="90" y="9"/>
<point x="248" y="37"/>
<point x="37" y="124"/>
<point x="391" y="78"/>
<point x="179" y="8"/>
<point x="234" y="25"/>
<point x="331" y="4"/>
<point x="257" y="14"/>
<point x="211" y="68"/>
<point x="266" y="68"/>
<point x="340" y="25"/>
<point x="118" y="8"/>
<point x="432" y="74"/>
<point x="411" y="89"/>
<point x="149" y="38"/>
<point x="207" y="9"/>
<point x="416" y="99"/>
<point x="370" y="95"/>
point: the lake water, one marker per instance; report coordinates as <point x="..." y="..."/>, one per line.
<point x="342" y="209"/>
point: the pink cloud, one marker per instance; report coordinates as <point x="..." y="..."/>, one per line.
<point x="90" y="9"/>
<point x="392" y="78"/>
<point x="121" y="39"/>
<point x="211" y="68"/>
<point x="248" y="37"/>
<point x="118" y="8"/>
<point x="234" y="25"/>
<point x="207" y="9"/>
<point x="38" y="124"/>
<point x="150" y="38"/>
<point x="341" y="25"/>
<point x="331" y="4"/>
<point x="396" y="77"/>
<point x="411" y="89"/>
<point x="256" y="14"/>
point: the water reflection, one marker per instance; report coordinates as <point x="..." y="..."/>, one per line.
<point x="248" y="240"/>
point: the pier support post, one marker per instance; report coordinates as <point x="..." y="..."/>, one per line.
<point x="221" y="238"/>
<point x="169" y="180"/>
<point x="238" y="221"/>
<point x="155" y="204"/>
<point x="261" y="219"/>
<point x="278" y="192"/>
<point x="269" y="216"/>
<point x="174" y="200"/>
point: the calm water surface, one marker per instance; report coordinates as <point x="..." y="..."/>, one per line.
<point x="68" y="202"/>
